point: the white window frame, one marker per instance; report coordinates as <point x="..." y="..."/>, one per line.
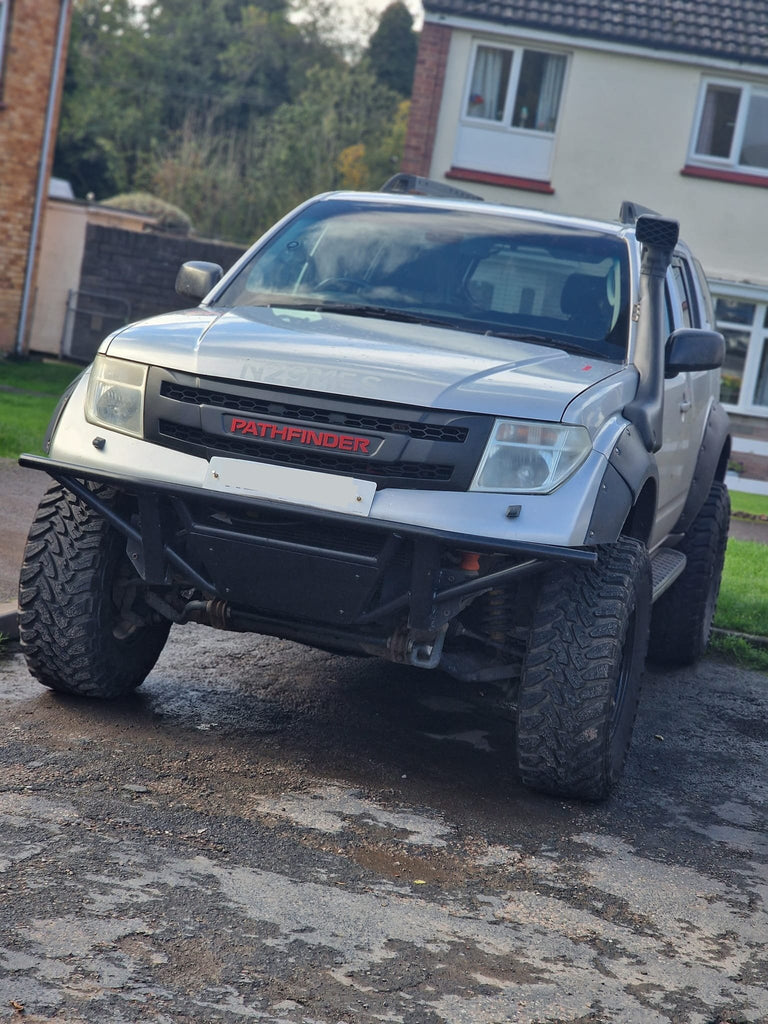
<point x="730" y="163"/>
<point x="758" y="340"/>
<point x="517" y="51"/>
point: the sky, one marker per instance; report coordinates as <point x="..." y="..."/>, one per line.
<point x="358" y="18"/>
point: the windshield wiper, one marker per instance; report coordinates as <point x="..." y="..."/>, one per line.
<point x="538" y="339"/>
<point x="456" y="323"/>
<point x="374" y="312"/>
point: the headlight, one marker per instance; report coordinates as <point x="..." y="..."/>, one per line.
<point x="531" y="457"/>
<point x="115" y="396"/>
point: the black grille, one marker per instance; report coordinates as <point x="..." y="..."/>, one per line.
<point x="408" y="446"/>
<point x="285" y="456"/>
<point x="310" y="413"/>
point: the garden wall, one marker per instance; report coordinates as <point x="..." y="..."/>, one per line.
<point x="129" y="275"/>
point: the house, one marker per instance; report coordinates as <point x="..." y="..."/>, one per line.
<point x="33" y="43"/>
<point x="575" y="105"/>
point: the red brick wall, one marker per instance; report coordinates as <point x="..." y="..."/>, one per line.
<point x="30" y="51"/>
<point x="425" y="99"/>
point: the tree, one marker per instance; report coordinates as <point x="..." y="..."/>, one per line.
<point x="392" y="49"/>
<point x="335" y="134"/>
<point x="137" y="74"/>
<point x="267" y="63"/>
<point x="110" y="117"/>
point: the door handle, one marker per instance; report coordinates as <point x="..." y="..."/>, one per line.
<point x="685" y="405"/>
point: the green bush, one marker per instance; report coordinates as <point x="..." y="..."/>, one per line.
<point x="167" y="216"/>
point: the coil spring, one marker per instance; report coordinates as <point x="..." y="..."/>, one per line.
<point x="497" y="615"/>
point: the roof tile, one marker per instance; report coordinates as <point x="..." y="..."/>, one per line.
<point x="733" y="29"/>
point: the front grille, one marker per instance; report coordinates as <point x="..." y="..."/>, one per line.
<point x="310" y="413"/>
<point x="304" y="459"/>
<point x="409" y="446"/>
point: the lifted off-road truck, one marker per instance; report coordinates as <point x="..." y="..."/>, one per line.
<point x="451" y="434"/>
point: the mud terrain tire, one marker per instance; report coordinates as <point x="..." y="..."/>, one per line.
<point x="682" y="617"/>
<point x="75" y="637"/>
<point x="580" y="683"/>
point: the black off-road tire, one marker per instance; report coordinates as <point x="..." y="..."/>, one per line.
<point x="681" y="623"/>
<point x="580" y="683"/>
<point x="75" y="637"/>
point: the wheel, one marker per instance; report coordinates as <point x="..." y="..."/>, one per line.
<point x="682" y="617"/>
<point x="82" y="625"/>
<point x="580" y="682"/>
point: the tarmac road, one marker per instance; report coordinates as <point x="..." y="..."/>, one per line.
<point x="270" y="833"/>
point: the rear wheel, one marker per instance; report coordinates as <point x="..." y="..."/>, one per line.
<point x="682" y="617"/>
<point x="580" y="683"/>
<point x="83" y="626"/>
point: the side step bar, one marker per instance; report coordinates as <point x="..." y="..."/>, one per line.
<point x="666" y="566"/>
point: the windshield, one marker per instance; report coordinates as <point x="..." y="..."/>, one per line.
<point x="464" y="269"/>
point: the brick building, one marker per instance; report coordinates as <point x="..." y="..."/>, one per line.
<point x="33" y="40"/>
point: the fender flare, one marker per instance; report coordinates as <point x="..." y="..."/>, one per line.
<point x="630" y="467"/>
<point x="711" y="464"/>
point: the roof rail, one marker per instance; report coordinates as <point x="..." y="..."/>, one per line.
<point x="414" y="185"/>
<point x="631" y="210"/>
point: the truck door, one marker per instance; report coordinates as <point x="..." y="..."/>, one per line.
<point x="682" y="429"/>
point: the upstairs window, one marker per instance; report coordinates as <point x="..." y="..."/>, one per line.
<point x="731" y="130"/>
<point x="516" y="88"/>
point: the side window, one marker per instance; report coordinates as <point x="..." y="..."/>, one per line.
<point x="510" y="113"/>
<point x="669" y="320"/>
<point x="709" y="306"/>
<point x="682" y="284"/>
<point x="519" y="89"/>
<point x="731" y="129"/>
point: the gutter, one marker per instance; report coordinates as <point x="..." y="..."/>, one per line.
<point x="42" y="175"/>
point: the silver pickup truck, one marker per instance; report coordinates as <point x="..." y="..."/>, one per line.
<point x="413" y="425"/>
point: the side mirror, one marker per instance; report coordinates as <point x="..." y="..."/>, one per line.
<point x="689" y="349"/>
<point x="195" y="279"/>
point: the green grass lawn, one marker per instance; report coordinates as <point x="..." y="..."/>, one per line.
<point x="743" y="601"/>
<point x="754" y="504"/>
<point x="29" y="391"/>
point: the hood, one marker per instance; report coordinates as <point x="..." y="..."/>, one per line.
<point x="383" y="361"/>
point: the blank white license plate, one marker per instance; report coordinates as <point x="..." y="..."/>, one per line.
<point x="297" y="486"/>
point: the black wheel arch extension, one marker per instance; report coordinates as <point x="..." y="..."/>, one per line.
<point x="627" y="497"/>
<point x="627" y="493"/>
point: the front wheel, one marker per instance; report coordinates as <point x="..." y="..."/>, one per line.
<point x="83" y="626"/>
<point x="580" y="683"/>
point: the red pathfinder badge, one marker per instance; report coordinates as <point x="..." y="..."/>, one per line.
<point x="265" y="430"/>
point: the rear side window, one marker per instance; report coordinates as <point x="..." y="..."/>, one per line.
<point x="709" y="306"/>
<point x="683" y="292"/>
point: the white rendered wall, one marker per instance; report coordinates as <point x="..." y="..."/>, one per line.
<point x="624" y="132"/>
